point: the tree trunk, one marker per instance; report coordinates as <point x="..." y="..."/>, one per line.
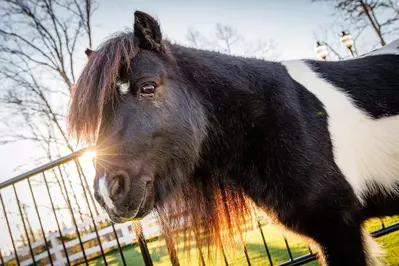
<point x="376" y="28"/>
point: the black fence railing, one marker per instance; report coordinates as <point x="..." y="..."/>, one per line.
<point x="48" y="217"/>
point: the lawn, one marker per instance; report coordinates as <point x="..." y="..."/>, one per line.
<point x="255" y="247"/>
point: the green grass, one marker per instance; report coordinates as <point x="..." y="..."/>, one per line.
<point x="255" y="247"/>
<point x="390" y="242"/>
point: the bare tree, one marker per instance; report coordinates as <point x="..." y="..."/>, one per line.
<point x="382" y="16"/>
<point x="41" y="42"/>
<point x="38" y="45"/>
<point x="227" y="40"/>
<point x="228" y="36"/>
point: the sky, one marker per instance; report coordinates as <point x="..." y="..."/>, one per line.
<point x="290" y="23"/>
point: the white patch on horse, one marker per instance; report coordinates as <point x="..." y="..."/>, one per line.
<point x="391" y="48"/>
<point x="103" y="191"/>
<point x="123" y="87"/>
<point x="365" y="149"/>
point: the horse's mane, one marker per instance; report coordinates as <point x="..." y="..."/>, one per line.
<point x="212" y="212"/>
<point x="96" y="85"/>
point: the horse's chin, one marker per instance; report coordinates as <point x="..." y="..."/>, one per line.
<point x="144" y="209"/>
<point x="119" y="219"/>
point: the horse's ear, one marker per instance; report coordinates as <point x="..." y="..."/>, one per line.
<point x="147" y="31"/>
<point x="88" y="52"/>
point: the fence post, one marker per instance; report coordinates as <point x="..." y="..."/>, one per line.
<point x="59" y="259"/>
<point x="170" y="244"/>
<point x="1" y="258"/>
<point x="143" y="244"/>
<point x="265" y="244"/>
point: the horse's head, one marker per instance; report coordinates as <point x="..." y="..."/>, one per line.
<point x="147" y="124"/>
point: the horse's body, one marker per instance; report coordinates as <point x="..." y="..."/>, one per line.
<point x="316" y="144"/>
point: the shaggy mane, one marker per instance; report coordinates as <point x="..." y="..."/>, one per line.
<point x="96" y="85"/>
<point x="212" y="214"/>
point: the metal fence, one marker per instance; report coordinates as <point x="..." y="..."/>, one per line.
<point x="49" y="217"/>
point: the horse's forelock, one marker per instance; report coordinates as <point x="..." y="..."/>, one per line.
<point x="96" y="86"/>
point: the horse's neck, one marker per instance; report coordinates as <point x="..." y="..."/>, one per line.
<point x="223" y="78"/>
<point x="252" y="111"/>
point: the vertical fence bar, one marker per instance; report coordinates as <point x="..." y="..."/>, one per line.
<point x="310" y="249"/>
<point x="119" y="244"/>
<point x="382" y="223"/>
<point x="288" y="248"/>
<point x="201" y="254"/>
<point x="170" y="246"/>
<point x="40" y="223"/>
<point x="74" y="197"/>
<point x="1" y="258"/>
<point x="24" y="225"/>
<point x="73" y="216"/>
<point x="224" y="256"/>
<point x="143" y="245"/>
<point x="246" y="255"/>
<point x="265" y="244"/>
<point x="170" y="243"/>
<point x="9" y="229"/>
<point x="91" y="216"/>
<point x="56" y="219"/>
<point x="199" y="250"/>
<point x="87" y="187"/>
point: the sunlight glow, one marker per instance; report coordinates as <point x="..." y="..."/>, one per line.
<point x="89" y="155"/>
<point x="86" y="161"/>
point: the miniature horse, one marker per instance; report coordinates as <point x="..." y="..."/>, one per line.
<point x="315" y="144"/>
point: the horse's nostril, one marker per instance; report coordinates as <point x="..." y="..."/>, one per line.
<point x="117" y="186"/>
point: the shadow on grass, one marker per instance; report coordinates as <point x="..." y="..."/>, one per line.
<point x="159" y="253"/>
<point x="258" y="255"/>
<point x="159" y="256"/>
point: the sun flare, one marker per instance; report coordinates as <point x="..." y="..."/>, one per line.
<point x="86" y="161"/>
<point x="89" y="155"/>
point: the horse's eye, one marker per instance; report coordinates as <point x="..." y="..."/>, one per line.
<point x="148" y="88"/>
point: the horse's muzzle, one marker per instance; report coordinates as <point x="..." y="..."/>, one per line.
<point x="123" y="196"/>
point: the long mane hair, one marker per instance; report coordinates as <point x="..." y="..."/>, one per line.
<point x="208" y="210"/>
